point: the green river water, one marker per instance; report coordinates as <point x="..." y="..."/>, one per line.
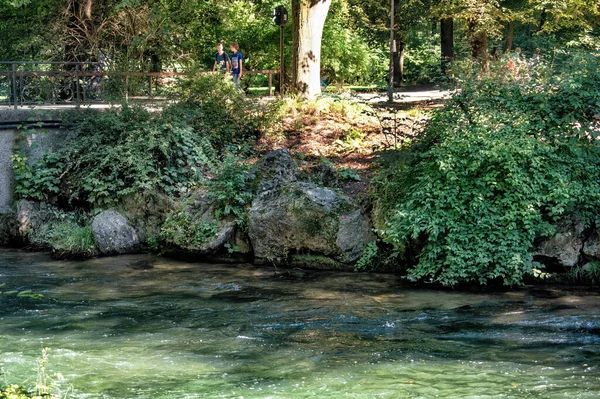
<point x="150" y="327"/>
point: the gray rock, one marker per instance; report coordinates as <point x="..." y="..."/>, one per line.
<point x="564" y="248"/>
<point x="324" y="174"/>
<point x="32" y="216"/>
<point x="354" y="234"/>
<point x="591" y="247"/>
<point x="202" y="211"/>
<point x="304" y="218"/>
<point x="146" y="211"/>
<point x="276" y="169"/>
<point x="114" y="234"/>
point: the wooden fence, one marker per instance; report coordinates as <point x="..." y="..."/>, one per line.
<point x="43" y="83"/>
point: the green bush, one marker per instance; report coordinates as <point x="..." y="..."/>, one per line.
<point x="229" y="186"/>
<point x="66" y="234"/>
<point x="113" y="154"/>
<point x="215" y="109"/>
<point x="495" y="170"/>
<point x="184" y="230"/>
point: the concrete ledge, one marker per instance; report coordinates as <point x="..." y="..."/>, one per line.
<point x="29" y="115"/>
<point x="7" y="139"/>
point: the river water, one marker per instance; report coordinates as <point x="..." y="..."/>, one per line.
<point x="150" y="327"/>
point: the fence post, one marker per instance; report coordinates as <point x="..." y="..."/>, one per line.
<point x="270" y="83"/>
<point x="14" y="85"/>
<point x="150" y="86"/>
<point x="21" y="85"/>
<point x="77" y="86"/>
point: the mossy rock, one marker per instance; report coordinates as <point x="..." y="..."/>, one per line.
<point x="317" y="262"/>
<point x="146" y="212"/>
<point x="195" y="227"/>
<point x="302" y="217"/>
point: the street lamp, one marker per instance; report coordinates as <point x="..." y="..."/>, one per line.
<point x="392" y="51"/>
<point x="280" y="18"/>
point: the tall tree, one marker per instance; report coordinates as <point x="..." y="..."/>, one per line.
<point x="407" y="14"/>
<point x="483" y="20"/>
<point x="308" y="19"/>
<point x="565" y="15"/>
<point x="447" y="42"/>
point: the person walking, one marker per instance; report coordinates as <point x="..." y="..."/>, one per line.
<point x="222" y="60"/>
<point x="237" y="63"/>
<point x="536" y="58"/>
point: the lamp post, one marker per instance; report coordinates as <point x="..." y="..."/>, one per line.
<point x="392" y="51"/>
<point x="280" y="18"/>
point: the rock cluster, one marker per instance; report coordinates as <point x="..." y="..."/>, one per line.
<point x="289" y="217"/>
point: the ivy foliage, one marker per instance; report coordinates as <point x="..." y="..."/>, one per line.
<point x="112" y="154"/>
<point x="230" y="187"/>
<point x="495" y="170"/>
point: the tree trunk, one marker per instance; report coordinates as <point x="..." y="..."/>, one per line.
<point x="79" y="24"/>
<point x="399" y="64"/>
<point x="308" y="19"/>
<point x="510" y="37"/>
<point x="542" y="21"/>
<point x="447" y="42"/>
<point x="479" y="45"/>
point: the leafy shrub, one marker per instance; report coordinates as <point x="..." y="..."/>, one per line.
<point x="368" y="257"/>
<point x="496" y="169"/>
<point x="37" y="183"/>
<point x="67" y="234"/>
<point x="113" y="154"/>
<point x="183" y="230"/>
<point x="229" y="186"/>
<point x="348" y="174"/>
<point x="215" y="109"/>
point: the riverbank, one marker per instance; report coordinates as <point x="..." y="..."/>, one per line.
<point x="459" y="194"/>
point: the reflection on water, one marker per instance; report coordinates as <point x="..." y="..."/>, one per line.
<point x="148" y="327"/>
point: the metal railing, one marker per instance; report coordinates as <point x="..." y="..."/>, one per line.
<point x="43" y="83"/>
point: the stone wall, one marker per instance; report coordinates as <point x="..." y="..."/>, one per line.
<point x="33" y="144"/>
<point x="7" y="138"/>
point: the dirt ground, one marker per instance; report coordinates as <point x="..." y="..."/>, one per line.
<point x="349" y="141"/>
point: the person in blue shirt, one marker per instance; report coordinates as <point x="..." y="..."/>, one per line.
<point x="237" y="61"/>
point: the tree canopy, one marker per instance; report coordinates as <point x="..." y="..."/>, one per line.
<point x="154" y="35"/>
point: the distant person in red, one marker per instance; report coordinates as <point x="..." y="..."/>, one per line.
<point x="515" y="61"/>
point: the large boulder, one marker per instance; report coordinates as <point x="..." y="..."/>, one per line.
<point x="303" y="218"/>
<point x="114" y="234"/>
<point x="276" y="169"/>
<point x="31" y="216"/>
<point x="563" y="250"/>
<point x="197" y="228"/>
<point x="146" y="211"/>
<point x="591" y="247"/>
